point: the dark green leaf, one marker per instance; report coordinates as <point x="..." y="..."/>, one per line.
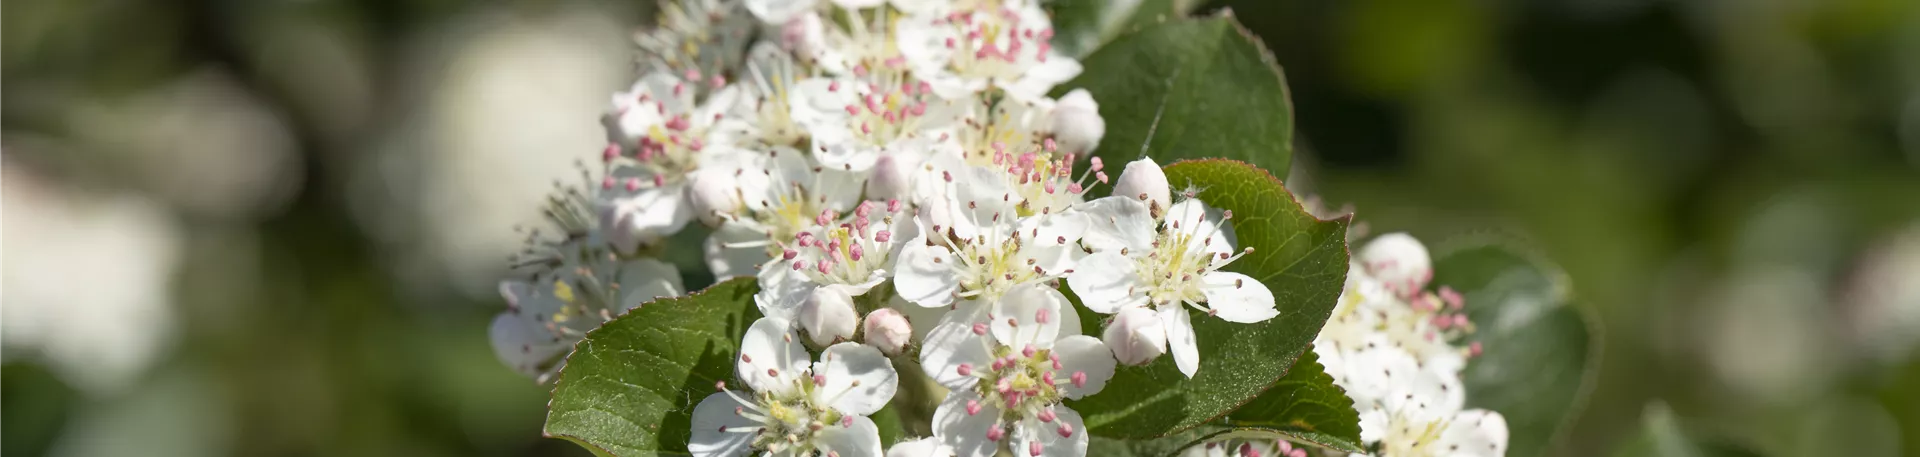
<point x="1663" y="435"/>
<point x="1081" y="26"/>
<point x="1302" y="259"/>
<point x="629" y="388"/>
<point x="1188" y="89"/>
<point x="1536" y="368"/>
<point x="1304" y="407"/>
<point x="1166" y="446"/>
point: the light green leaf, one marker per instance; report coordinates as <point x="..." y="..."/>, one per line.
<point x="1188" y="89"/>
<point x="1539" y="350"/>
<point x="1304" y="407"/>
<point x="1302" y="259"/>
<point x="629" y="388"/>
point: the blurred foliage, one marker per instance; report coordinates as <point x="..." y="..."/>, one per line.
<point x="1659" y="150"/>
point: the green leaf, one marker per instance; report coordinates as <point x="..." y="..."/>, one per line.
<point x="1081" y="26"/>
<point x="1663" y="435"/>
<point x="1189" y="89"/>
<point x="1302" y="259"/>
<point x="629" y="388"/>
<point x="1166" y="446"/>
<point x="1304" y="407"/>
<point x="1539" y="350"/>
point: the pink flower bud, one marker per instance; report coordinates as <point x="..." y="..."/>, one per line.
<point x="1143" y="177"/>
<point x="1398" y="260"/>
<point x="828" y="316"/>
<point x="1136" y="336"/>
<point x="889" y="331"/>
<point x="1077" y="126"/>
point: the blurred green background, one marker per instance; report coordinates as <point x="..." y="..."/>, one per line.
<point x="273" y="227"/>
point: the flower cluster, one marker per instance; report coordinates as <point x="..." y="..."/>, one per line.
<point x="1393" y="346"/>
<point x="1396" y="347"/>
<point x="869" y="162"/>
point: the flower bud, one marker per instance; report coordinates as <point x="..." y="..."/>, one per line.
<point x="804" y="34"/>
<point x="1136" y="336"/>
<point x="888" y="330"/>
<point x="712" y="197"/>
<point x="1077" y="125"/>
<point x="828" y="316"/>
<point x="889" y="180"/>
<point x="1399" y="261"/>
<point x="1143" y="177"/>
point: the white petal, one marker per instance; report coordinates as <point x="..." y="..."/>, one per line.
<point x="709" y="417"/>
<point x="727" y="263"/>
<point x="859" y="4"/>
<point x="1083" y="354"/>
<point x="1238" y="298"/>
<point x="1374" y="423"/>
<point x="924" y="447"/>
<point x="777" y="11"/>
<point x="923" y="41"/>
<point x="770" y="345"/>
<point x="1186" y="351"/>
<point x="1055" y="229"/>
<point x="1048" y="435"/>
<point x="949" y="346"/>
<point x="1028" y="315"/>
<point x="782" y="291"/>
<point x="924" y="274"/>
<point x="1115" y="223"/>
<point x="859" y="379"/>
<point x="859" y="439"/>
<point x="1378" y="371"/>
<point x="1106" y="282"/>
<point x="966" y="433"/>
<point x="524" y="345"/>
<point x="1475" y="433"/>
<point x="645" y="216"/>
<point x="643" y="280"/>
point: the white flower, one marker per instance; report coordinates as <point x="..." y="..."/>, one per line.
<point x="696" y="37"/>
<point x="795" y="409"/>
<point x="853" y="122"/>
<point x="1010" y="136"/>
<point x="977" y="246"/>
<point x="1004" y="45"/>
<point x="1471" y="433"/>
<point x="546" y="315"/>
<point x="1169" y="269"/>
<point x="664" y="137"/>
<point x="768" y="101"/>
<point x="780" y="195"/>
<point x="1008" y="376"/>
<point x="1398" y="260"/>
<point x="852" y="254"/>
